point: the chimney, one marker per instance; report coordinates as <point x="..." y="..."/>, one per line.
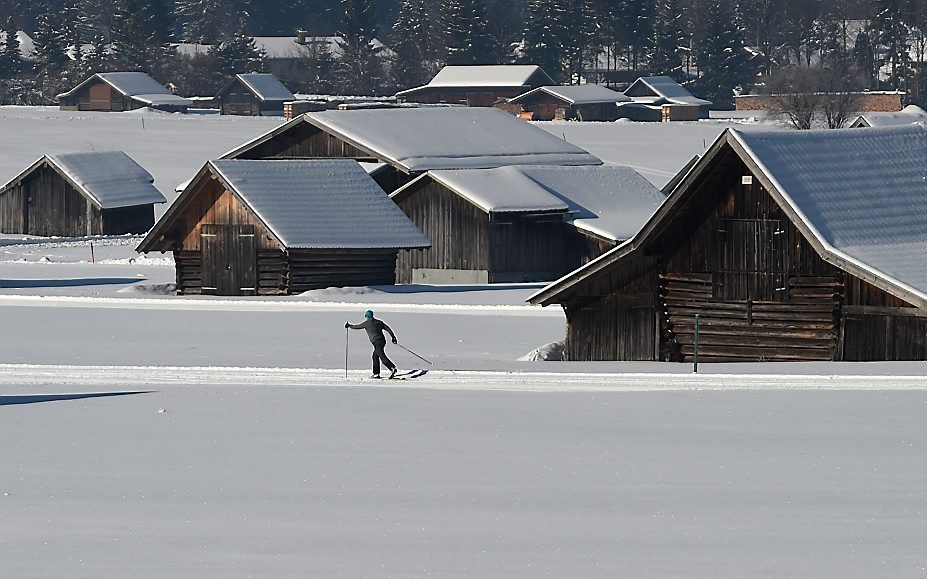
<point x="301" y="36"/>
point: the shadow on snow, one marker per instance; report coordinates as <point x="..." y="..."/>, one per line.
<point x="76" y="282"/>
<point x="37" y="398"/>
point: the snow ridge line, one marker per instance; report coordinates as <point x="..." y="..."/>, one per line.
<point x="103" y="377"/>
<point x="180" y="303"/>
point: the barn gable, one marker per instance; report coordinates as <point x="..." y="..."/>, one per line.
<point x="763" y="239"/>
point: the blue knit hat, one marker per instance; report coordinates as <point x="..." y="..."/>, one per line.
<point x="368" y="314"/>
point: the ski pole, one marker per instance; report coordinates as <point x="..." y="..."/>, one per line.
<point x="346" y="332"/>
<point x="414" y="354"/>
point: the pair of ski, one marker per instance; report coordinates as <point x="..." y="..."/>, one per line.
<point x="404" y="375"/>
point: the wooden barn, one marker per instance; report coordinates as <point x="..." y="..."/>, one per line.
<point x="79" y="194"/>
<point x="253" y="94"/>
<point x="585" y="102"/>
<point x="788" y="245"/>
<point x="666" y="99"/>
<point x="410" y="141"/>
<point x="520" y="223"/>
<point x="282" y="227"/>
<point x="477" y="85"/>
<point x="121" y="91"/>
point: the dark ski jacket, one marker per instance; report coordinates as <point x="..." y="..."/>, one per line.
<point x="374" y="329"/>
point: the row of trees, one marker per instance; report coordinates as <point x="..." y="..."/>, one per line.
<point x="717" y="45"/>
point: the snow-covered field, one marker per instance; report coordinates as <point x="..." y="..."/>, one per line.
<point x="148" y="435"/>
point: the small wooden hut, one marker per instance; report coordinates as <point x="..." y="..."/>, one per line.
<point x="253" y="94"/>
<point x="121" y="91"/>
<point x="665" y="98"/>
<point x="282" y="227"/>
<point x="910" y="114"/>
<point x="78" y="194"/>
<point x="585" y="102"/>
<point x="519" y="223"/>
<point x="788" y="245"/>
<point x="410" y="141"/>
<point x="477" y="85"/>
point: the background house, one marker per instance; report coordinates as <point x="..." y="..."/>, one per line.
<point x="520" y="223"/>
<point x="253" y="94"/>
<point x="120" y="91"/>
<point x="910" y="114"/>
<point x="585" y="102"/>
<point x="281" y="227"/>
<point x="477" y="85"/>
<point x="667" y="99"/>
<point x="78" y="194"/>
<point x="789" y="245"/>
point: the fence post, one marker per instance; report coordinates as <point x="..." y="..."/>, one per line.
<point x="695" y="346"/>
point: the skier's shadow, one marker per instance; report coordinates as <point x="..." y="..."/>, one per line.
<point x="37" y="398"/>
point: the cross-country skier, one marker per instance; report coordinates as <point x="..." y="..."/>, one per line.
<point x="375" y="329"/>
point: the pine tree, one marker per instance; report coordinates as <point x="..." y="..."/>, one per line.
<point x="141" y="34"/>
<point x="361" y="68"/>
<point x="238" y="54"/>
<point x="723" y="60"/>
<point x="413" y="63"/>
<point x="543" y="36"/>
<point x="320" y="67"/>
<point x="72" y="30"/>
<point x="465" y="37"/>
<point x="579" y="34"/>
<point x="668" y="38"/>
<point x="892" y="33"/>
<point x="49" y="40"/>
<point x="10" y="57"/>
<point x="209" y="21"/>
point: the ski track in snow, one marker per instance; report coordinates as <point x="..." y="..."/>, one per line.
<point x="133" y="376"/>
<point x="263" y="305"/>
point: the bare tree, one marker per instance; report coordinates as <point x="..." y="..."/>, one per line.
<point x="840" y="96"/>
<point x="794" y="92"/>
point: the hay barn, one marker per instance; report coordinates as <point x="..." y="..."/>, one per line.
<point x="520" y="223"/>
<point x="80" y="194"/>
<point x="789" y="245"/>
<point x="477" y="85"/>
<point x="585" y="102"/>
<point x="410" y="141"/>
<point x="282" y="227"/>
<point x="121" y="91"/>
<point x="253" y="94"/>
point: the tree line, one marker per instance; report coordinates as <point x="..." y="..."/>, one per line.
<point x="717" y="47"/>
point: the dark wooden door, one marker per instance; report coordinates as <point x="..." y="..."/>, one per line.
<point x="752" y="261"/>
<point x="100" y="97"/>
<point x="229" y="259"/>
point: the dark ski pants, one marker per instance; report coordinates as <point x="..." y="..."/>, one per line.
<point x="379" y="354"/>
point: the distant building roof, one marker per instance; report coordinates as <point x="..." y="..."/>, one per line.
<point x="421" y="139"/>
<point x="512" y="76"/>
<point x="110" y="179"/>
<point x="318" y="204"/>
<point x="662" y="90"/>
<point x="609" y="201"/>
<point x="265" y="87"/>
<point x="285" y="47"/>
<point x="583" y="94"/>
<point x="857" y="195"/>
<point x="136" y="85"/>
<point x="26" y="44"/>
<point x="910" y="114"/>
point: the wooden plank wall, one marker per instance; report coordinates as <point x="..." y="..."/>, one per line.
<point x="459" y="232"/>
<point x="525" y="248"/>
<point x="123" y="220"/>
<point x="239" y="100"/>
<point x="45" y="204"/>
<point x="316" y="269"/>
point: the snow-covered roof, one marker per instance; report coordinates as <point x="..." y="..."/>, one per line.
<point x="26" y="44"/>
<point x="857" y="195"/>
<point x="499" y="190"/>
<point x="421" y="139"/>
<point x="665" y="88"/>
<point x="137" y="85"/>
<point x="488" y="76"/>
<point x="110" y="179"/>
<point x="320" y="204"/>
<point x="577" y="94"/>
<point x="266" y="86"/>
<point x="910" y="114"/>
<point x="608" y="201"/>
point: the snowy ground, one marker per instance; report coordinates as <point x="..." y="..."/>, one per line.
<point x="149" y="435"/>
